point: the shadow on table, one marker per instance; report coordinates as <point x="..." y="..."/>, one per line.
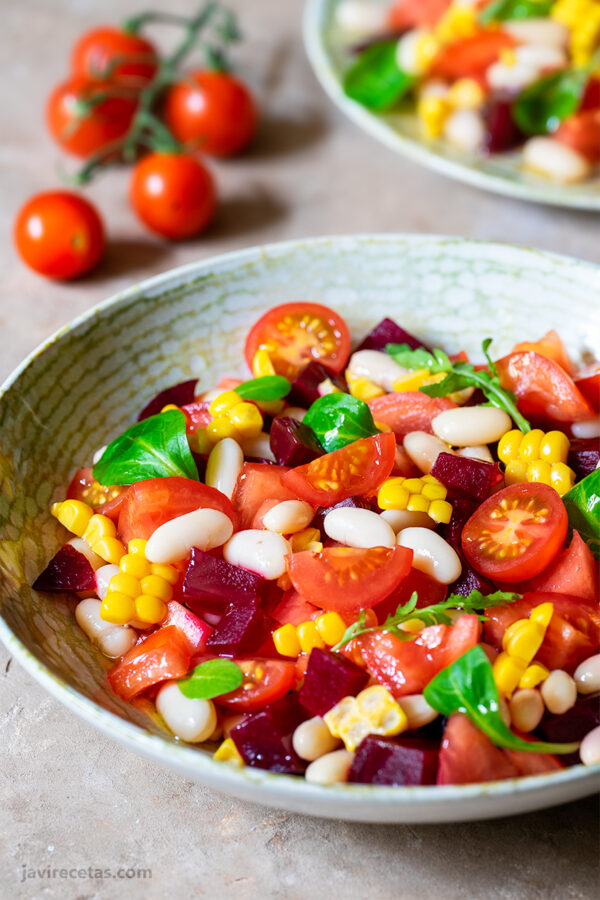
<point x="126" y="256"/>
<point x="249" y="212"/>
<point x="281" y="134"/>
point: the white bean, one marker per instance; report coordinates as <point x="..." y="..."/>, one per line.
<point x="258" y="447"/>
<point x="526" y="709"/>
<point x="259" y="551"/>
<point x="112" y="640"/>
<point x="417" y="711"/>
<point x="589" y="750"/>
<point x="424" y="449"/>
<point x="224" y="465"/>
<point x="358" y="528"/>
<point x="360" y="17"/>
<point x="465" y="129"/>
<point x="191" y="720"/>
<point x="434" y="88"/>
<point x="407" y="55"/>
<point x="378" y="367"/>
<point x="98" y="454"/>
<point x="587" y="675"/>
<point x="432" y="554"/>
<point x="289" y="516"/>
<point x="555" y="160"/>
<point x="95" y="561"/>
<point x="202" y="528"/>
<point x="504" y="711"/>
<point x="333" y="768"/>
<point x="481" y="452"/>
<point x="209" y="396"/>
<point x="541" y="56"/>
<point x="294" y="412"/>
<point x="502" y="77"/>
<point x="587" y="428"/>
<point x="312" y="739"/>
<point x="469" y="425"/>
<point x="103" y="576"/>
<point x="538" y="31"/>
<point x="404" y="518"/>
<point x="559" y="692"/>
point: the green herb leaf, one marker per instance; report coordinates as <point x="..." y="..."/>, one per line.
<point x="339" y="419"/>
<point x="153" y="448"/>
<point x="468" y="686"/>
<point x="375" y="80"/>
<point x="541" y="107"/>
<point x="267" y="387"/>
<point x="211" y="679"/>
<point x="504" y="10"/>
<point x="436" y="360"/>
<point x="477" y="600"/>
<point x="582" y="503"/>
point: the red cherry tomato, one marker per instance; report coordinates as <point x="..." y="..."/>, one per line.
<point x="105" y="500"/>
<point x="345" y="579"/>
<point x="515" y="534"/>
<point x="111" y="54"/>
<point x="356" y="470"/>
<point x="295" y="334"/>
<point x="257" y="482"/>
<point x="573" y="572"/>
<point x="265" y="681"/>
<point x="551" y="346"/>
<point x="405" y="14"/>
<point x="173" y="194"/>
<point x="581" y="132"/>
<point x="587" y="380"/>
<point x="59" y="234"/>
<point x="163" y="655"/>
<point x="211" y="111"/>
<point x="470" y="57"/>
<point x="543" y="388"/>
<point x="83" y="134"/>
<point x="408" y="411"/>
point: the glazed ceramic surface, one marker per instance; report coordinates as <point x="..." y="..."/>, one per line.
<point x="327" y="47"/>
<point x="88" y="382"/>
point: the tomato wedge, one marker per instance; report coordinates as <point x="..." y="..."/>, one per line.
<point x="550" y="346"/>
<point x="544" y="390"/>
<point x="581" y="132"/>
<point x="345" y="579"/>
<point x="356" y="470"/>
<point x="257" y="483"/>
<point x="587" y="380"/>
<point x="574" y="572"/>
<point x="408" y="411"/>
<point x="265" y="681"/>
<point x="405" y="14"/>
<point x="163" y="655"/>
<point x="104" y="499"/>
<point x="515" y="534"/>
<point x="470" y="57"/>
<point x="295" y="334"/>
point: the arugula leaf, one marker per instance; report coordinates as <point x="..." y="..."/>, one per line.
<point x="375" y="80"/>
<point x="582" y="503"/>
<point x="267" y="388"/>
<point x="503" y="10"/>
<point x="468" y="686"/>
<point x="339" y="419"/>
<point x="211" y="679"/>
<point x="542" y="106"/>
<point x="436" y="360"/>
<point x="477" y="600"/>
<point x="153" y="448"/>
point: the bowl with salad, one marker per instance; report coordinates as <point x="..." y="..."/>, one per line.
<point x="318" y="524"/>
<point x="501" y="94"/>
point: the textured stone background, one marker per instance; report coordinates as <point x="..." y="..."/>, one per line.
<point x="70" y="798"/>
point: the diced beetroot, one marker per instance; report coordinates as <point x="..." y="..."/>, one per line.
<point x="329" y="677"/>
<point x="211" y="583"/>
<point x="305" y="387"/>
<point x="584" y="456"/>
<point x="461" y="511"/>
<point x="574" y="724"/>
<point x="355" y="502"/>
<point x="467" y="479"/>
<point x="293" y="444"/>
<point x="388" y="332"/>
<point x="264" y="740"/>
<point x="402" y="761"/>
<point x="469" y="581"/>
<point x="241" y="630"/>
<point x="195" y="630"/>
<point x="177" y="394"/>
<point x="502" y="132"/>
<point x="429" y="591"/>
<point x="69" y="570"/>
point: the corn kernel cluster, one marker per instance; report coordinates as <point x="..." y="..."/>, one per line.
<point x="537" y="456"/>
<point x="425" y="494"/>
<point x="98" y="531"/>
<point x="434" y="109"/>
<point x="140" y="590"/>
<point x="362" y="388"/>
<point x="459" y="21"/>
<point x="582" y="18"/>
<point x="228" y="752"/>
<point x="373" y="711"/>
<point x="326" y="631"/>
<point x="522" y="640"/>
<point x="307" y="539"/>
<point x="234" y="418"/>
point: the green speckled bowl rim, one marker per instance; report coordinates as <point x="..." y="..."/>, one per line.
<point x="316" y="22"/>
<point x="350" y="802"/>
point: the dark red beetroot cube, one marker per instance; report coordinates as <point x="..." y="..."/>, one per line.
<point x="356" y="502"/>
<point x="178" y="394"/>
<point x="462" y="510"/>
<point x="305" y="387"/>
<point x="211" y="583"/>
<point x="502" y="132"/>
<point x="264" y="740"/>
<point x="293" y="444"/>
<point x="388" y="332"/>
<point x="242" y="629"/>
<point x="402" y="761"/>
<point x="469" y="581"/>
<point x="573" y="725"/>
<point x="467" y="479"/>
<point x="329" y="677"/>
<point x="584" y="456"/>
<point x="69" y="570"/>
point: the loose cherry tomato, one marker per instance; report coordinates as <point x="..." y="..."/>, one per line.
<point x="543" y="388"/>
<point x="105" y="500"/>
<point x="551" y="346"/>
<point x="82" y="134"/>
<point x="345" y="579"/>
<point x="163" y="655"/>
<point x="573" y="572"/>
<point x="471" y="57"/>
<point x="581" y="132"/>
<point x="356" y="470"/>
<point x="110" y="54"/>
<point x="515" y="534"/>
<point x="59" y="234"/>
<point x="265" y="681"/>
<point x="257" y="482"/>
<point x="408" y="411"/>
<point x="212" y="112"/>
<point x="173" y="194"/>
<point x="587" y="380"/>
<point x="295" y="334"/>
<point x="406" y="14"/>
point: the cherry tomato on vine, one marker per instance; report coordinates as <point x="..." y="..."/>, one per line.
<point x="83" y="133"/>
<point x="212" y="111"/>
<point x="59" y="234"/>
<point x="115" y="55"/>
<point x="173" y="194"/>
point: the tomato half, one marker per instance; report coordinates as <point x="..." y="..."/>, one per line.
<point x="408" y="411"/>
<point x="295" y="334"/>
<point x="345" y="579"/>
<point x="150" y="503"/>
<point x="574" y="572"/>
<point x="108" y="119"/>
<point x="259" y="482"/>
<point x="587" y="380"/>
<point x="581" y="132"/>
<point x="356" y="470"/>
<point x="104" y="499"/>
<point x="471" y="57"/>
<point x="543" y="389"/>
<point x="163" y="655"/>
<point x="116" y="55"/>
<point x="515" y="534"/>
<point x="265" y="681"/>
<point x="551" y="346"/>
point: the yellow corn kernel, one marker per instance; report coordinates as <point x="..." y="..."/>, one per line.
<point x="412" y="626"/>
<point x="508" y="671"/>
<point x="459" y="21"/>
<point x="539" y="471"/>
<point x="466" y="93"/>
<point x="434" y="491"/>
<point x="392" y="494"/>
<point x="271" y="407"/>
<point x="149" y="609"/>
<point x="508" y="57"/>
<point x="169" y="407"/>
<point x="262" y="365"/>
<point x="220" y="428"/>
<point x="413" y="485"/>
<point x="223" y="403"/>
<point x="200" y="442"/>
<point x="110" y="549"/>
<point x="542" y="614"/>
<point x="302" y="539"/>
<point x="432" y="113"/>
<point x="440" y="511"/>
<point x="315" y="547"/>
<point x="533" y="675"/>
<point x="515" y="472"/>
<point x="530" y="445"/>
<point x="562" y="478"/>
<point x="246" y="419"/>
<point x="286" y="641"/>
<point x="508" y="446"/>
<point x="308" y="636"/>
<point x="117" y="608"/>
<point x="524" y="643"/>
<point x="99" y="527"/>
<point x="331" y="627"/>
<point x="362" y="388"/>
<point x="134" y="565"/>
<point x="168" y="573"/>
<point x="137" y="546"/>
<point x="124" y="584"/>
<point x="414" y="380"/>
<point x="374" y="711"/>
<point x="75" y="515"/>
<point x="155" y="586"/>
<point x="417" y="503"/>
<point x="429" y="479"/>
<point x="228" y="752"/>
<point x="554" y="447"/>
<point x="427" y="48"/>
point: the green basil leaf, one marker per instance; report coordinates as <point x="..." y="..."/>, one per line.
<point x="267" y="387"/>
<point x="153" y="448"/>
<point x="436" y="360"/>
<point x="211" y="679"/>
<point x="376" y="80"/>
<point x="504" y="10"/>
<point x="582" y="503"/>
<point x="542" y="106"/>
<point x="467" y="686"/>
<point x="339" y="419"/>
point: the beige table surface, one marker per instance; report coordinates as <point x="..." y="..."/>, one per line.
<point x="68" y="796"/>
